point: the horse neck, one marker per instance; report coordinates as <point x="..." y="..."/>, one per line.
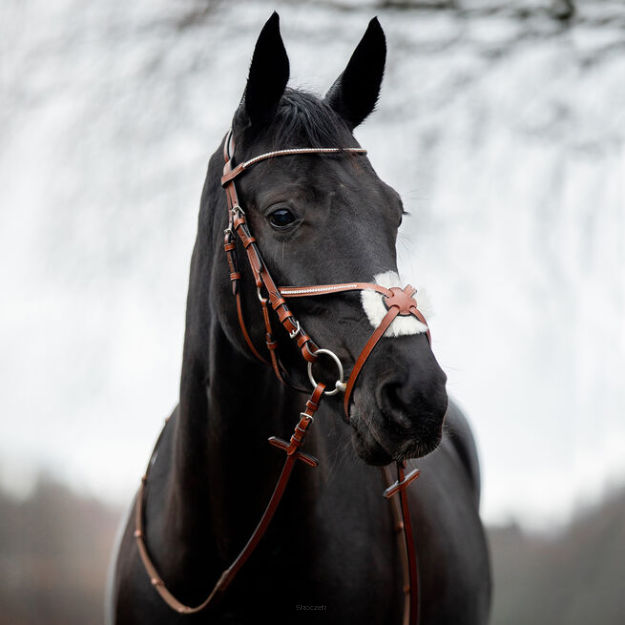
<point x="225" y="470"/>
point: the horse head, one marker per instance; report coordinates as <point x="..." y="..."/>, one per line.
<point x="327" y="218"/>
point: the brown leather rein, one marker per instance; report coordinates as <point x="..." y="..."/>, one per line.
<point x="398" y="302"/>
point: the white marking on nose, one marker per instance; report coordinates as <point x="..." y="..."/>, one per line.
<point x="373" y="304"/>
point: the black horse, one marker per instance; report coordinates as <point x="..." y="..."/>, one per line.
<point x="331" y="546"/>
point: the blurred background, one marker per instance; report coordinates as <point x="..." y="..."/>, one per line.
<point x="509" y="118"/>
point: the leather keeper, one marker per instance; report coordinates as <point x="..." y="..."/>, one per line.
<point x="311" y="405"/>
<point x="230" y="174"/>
<point x="303" y="339"/>
<point x="307" y="354"/>
<point x="285" y="315"/>
<point x="277" y="301"/>
<point x="246" y="239"/>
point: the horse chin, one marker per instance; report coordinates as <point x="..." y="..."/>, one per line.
<point x="421" y="447"/>
<point x="373" y="447"/>
<point x="368" y="448"/>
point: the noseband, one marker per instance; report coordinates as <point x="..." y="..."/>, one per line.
<point x="398" y="302"/>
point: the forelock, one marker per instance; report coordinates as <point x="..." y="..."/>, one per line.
<point x="303" y="120"/>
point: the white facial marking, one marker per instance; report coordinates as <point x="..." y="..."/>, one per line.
<point x="373" y="304"/>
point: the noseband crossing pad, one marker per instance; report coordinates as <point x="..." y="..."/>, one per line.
<point x="375" y="305"/>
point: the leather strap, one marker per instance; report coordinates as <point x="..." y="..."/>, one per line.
<point x="292" y="455"/>
<point x="331" y="289"/>
<point x="406" y="543"/>
<point x="411" y="551"/>
<point x="233" y="173"/>
<point x="364" y="354"/>
<point x="262" y="278"/>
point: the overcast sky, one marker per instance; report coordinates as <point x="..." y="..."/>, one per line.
<point x="512" y="135"/>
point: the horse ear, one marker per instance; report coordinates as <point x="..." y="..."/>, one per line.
<point x="356" y="90"/>
<point x="269" y="73"/>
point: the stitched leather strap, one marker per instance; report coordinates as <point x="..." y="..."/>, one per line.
<point x="233" y="173"/>
<point x="413" y="615"/>
<point x="292" y="455"/>
<point x="405" y="536"/>
<point x="264" y="282"/>
<point x="331" y="289"/>
<point x="364" y="354"/>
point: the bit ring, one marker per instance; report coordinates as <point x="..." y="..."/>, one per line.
<point x="339" y="386"/>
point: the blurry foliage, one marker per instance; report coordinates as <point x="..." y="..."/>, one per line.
<point x="573" y="578"/>
<point x="55" y="549"/>
<point x="198" y="10"/>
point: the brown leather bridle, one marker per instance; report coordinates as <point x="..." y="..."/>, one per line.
<point x="398" y="301"/>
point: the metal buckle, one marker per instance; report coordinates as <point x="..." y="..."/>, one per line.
<point x="339" y="386"/>
<point x="297" y="329"/>
<point x="303" y="415"/>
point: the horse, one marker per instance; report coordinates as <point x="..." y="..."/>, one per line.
<point x="290" y="198"/>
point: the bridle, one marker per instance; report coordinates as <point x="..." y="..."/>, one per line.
<point x="398" y="301"/>
<point x="273" y="301"/>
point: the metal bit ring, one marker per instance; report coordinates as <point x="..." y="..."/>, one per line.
<point x="339" y="386"/>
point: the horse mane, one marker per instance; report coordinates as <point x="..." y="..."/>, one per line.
<point x="302" y="119"/>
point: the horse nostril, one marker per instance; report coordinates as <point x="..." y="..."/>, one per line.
<point x="410" y="401"/>
<point x="393" y="402"/>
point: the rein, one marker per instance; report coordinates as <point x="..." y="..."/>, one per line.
<point x="398" y="302"/>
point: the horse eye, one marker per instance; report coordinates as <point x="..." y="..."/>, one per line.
<point x="281" y="219"/>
